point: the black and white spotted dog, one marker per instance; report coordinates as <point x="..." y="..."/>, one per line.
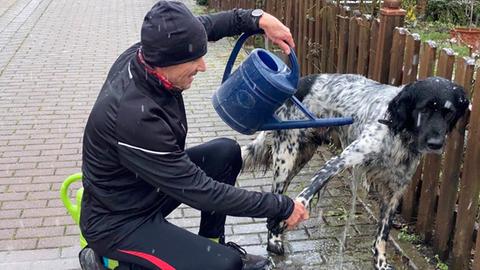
<point x="393" y="127"/>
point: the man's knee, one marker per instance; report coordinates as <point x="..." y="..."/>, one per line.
<point x="229" y="150"/>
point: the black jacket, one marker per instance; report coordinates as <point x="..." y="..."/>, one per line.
<point x="133" y="151"/>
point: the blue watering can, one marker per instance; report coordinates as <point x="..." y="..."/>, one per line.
<point x="248" y="98"/>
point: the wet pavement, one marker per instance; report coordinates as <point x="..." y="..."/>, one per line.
<point x="54" y="56"/>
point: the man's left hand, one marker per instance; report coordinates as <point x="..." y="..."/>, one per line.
<point x="277" y="32"/>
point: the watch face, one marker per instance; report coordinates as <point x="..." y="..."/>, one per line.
<point x="257" y="12"/>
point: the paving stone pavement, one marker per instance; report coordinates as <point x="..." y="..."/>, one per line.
<point x="54" y="56"/>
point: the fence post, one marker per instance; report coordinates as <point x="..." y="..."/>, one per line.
<point x="412" y="56"/>
<point x="431" y="169"/>
<point x="333" y="37"/>
<point x="300" y="36"/>
<point x="475" y="133"/>
<point x="397" y="56"/>
<point x="343" y="33"/>
<point x="363" y="46"/>
<point x="469" y="189"/>
<point x="310" y="36"/>
<point x="391" y="16"/>
<point x="318" y="36"/>
<point x="451" y="173"/>
<point x="352" y="56"/>
<point x="324" y="39"/>
<point x="373" y="47"/>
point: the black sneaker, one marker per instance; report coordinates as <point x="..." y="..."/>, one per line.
<point x="89" y="260"/>
<point x="250" y="261"/>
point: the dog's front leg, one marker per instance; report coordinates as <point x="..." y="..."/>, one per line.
<point x="384" y="225"/>
<point x="288" y="160"/>
<point x="356" y="153"/>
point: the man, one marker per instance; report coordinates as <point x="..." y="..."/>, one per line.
<point x="135" y="166"/>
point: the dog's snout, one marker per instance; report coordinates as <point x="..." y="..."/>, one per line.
<point x="435" y="143"/>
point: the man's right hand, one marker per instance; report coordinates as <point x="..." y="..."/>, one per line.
<point x="298" y="215"/>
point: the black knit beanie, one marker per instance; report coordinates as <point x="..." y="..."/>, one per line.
<point x="172" y="35"/>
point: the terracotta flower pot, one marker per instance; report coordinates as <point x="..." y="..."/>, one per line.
<point x="468" y="36"/>
<point x="392" y="4"/>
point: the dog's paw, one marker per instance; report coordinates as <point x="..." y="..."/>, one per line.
<point x="388" y="267"/>
<point x="276" y="248"/>
<point x="275" y="244"/>
<point x="384" y="266"/>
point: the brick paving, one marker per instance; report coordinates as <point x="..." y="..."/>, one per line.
<point x="54" y="56"/>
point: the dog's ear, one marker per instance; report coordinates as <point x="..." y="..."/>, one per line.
<point x="461" y="104"/>
<point x="400" y="108"/>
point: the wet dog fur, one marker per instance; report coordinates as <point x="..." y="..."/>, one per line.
<point x="393" y="127"/>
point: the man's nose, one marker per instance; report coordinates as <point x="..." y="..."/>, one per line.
<point x="202" y="66"/>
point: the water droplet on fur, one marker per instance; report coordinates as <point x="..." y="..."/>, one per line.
<point x="448" y="104"/>
<point x="419" y="119"/>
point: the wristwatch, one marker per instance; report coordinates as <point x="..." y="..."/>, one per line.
<point x="256" y="15"/>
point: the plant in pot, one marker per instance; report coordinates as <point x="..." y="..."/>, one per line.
<point x="464" y="17"/>
<point x="470" y="35"/>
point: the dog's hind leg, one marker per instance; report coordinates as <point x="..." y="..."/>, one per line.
<point x="349" y="157"/>
<point x="358" y="152"/>
<point x="291" y="151"/>
<point x="387" y="212"/>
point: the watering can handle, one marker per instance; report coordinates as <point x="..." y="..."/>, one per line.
<point x="71" y="208"/>
<point x="236" y="49"/>
<point x="233" y="55"/>
<point x="295" y="70"/>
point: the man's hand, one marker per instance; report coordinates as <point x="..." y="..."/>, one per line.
<point x="277" y="32"/>
<point x="298" y="215"/>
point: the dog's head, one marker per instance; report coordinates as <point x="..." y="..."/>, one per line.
<point x="428" y="110"/>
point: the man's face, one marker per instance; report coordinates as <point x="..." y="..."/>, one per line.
<point x="182" y="75"/>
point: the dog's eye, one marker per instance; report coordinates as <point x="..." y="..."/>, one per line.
<point x="447" y="113"/>
<point x="424" y="110"/>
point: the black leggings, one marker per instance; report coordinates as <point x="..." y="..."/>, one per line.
<point x="158" y="244"/>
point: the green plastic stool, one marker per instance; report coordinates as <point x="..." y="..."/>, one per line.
<point x="74" y="211"/>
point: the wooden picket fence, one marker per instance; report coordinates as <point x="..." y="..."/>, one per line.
<point x="442" y="201"/>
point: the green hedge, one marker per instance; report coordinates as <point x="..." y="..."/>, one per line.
<point x="452" y="11"/>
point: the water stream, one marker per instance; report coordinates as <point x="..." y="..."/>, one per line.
<point x="350" y="217"/>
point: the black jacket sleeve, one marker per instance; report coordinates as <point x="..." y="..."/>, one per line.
<point x="150" y="151"/>
<point x="228" y="23"/>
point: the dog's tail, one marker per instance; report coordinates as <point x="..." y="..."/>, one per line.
<point x="258" y="153"/>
